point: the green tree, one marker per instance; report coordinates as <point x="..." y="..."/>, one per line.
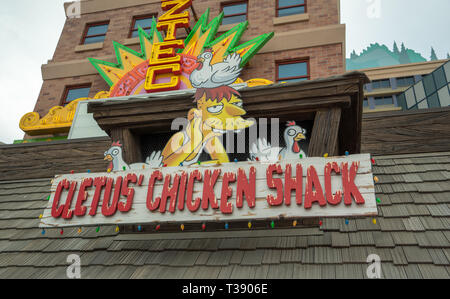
<point x="353" y="55"/>
<point x="396" y="50"/>
<point x="403" y="57"/>
<point x="433" y="56"/>
<point x="448" y="56"/>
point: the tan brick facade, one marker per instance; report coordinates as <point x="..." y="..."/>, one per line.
<point x="326" y="59"/>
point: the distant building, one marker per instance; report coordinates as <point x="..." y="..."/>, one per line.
<point x="393" y="72"/>
<point x="389" y="82"/>
<point x="433" y="91"/>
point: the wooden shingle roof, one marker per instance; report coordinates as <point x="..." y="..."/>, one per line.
<point x="411" y="236"/>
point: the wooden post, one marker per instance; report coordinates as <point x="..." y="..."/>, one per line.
<point x="324" y="137"/>
<point x="130" y="144"/>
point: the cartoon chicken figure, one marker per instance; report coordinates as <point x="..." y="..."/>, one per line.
<point x="220" y="74"/>
<point x="219" y="110"/>
<point x="116" y="163"/>
<point x="293" y="135"/>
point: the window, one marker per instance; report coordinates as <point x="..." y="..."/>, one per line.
<point x="366" y="102"/>
<point x="405" y="81"/>
<point x="433" y="101"/>
<point x="384" y="101"/>
<point x="235" y="12"/>
<point x="444" y="96"/>
<point x="95" y="33"/>
<point x="429" y="85"/>
<point x="75" y="92"/>
<point x="381" y="84"/>
<point x="292" y="71"/>
<point x="439" y="78"/>
<point x="145" y="22"/>
<point x="290" y="7"/>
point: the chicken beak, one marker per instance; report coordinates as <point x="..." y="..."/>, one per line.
<point x="201" y="60"/>
<point x="108" y="158"/>
<point x="299" y="137"/>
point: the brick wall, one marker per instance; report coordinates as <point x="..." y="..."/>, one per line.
<point x="260" y="15"/>
<point x="324" y="60"/>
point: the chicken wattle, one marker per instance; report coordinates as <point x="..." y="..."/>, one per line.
<point x="296" y="147"/>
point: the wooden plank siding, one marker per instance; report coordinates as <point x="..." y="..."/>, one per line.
<point x="46" y="159"/>
<point x="406" y="132"/>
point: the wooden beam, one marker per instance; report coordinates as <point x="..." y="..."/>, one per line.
<point x="130" y="144"/>
<point x="324" y="137"/>
<point x="406" y="132"/>
<point x="47" y="159"/>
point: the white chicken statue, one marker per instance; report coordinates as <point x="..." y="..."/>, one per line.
<point x="264" y="152"/>
<point x="116" y="162"/>
<point x="292" y="136"/>
<point x="216" y="75"/>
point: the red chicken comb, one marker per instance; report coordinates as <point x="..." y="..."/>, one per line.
<point x="291" y="123"/>
<point x="117" y="143"/>
<point x="208" y="50"/>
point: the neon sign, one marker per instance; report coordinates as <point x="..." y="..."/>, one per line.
<point x="164" y="59"/>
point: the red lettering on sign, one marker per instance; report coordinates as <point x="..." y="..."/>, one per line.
<point x="348" y="183"/>
<point x="68" y="213"/>
<point x="246" y="187"/>
<point x="182" y="192"/>
<point x="208" y="189"/>
<point x="80" y="210"/>
<point x="293" y="184"/>
<point x="193" y="205"/>
<point x="333" y="199"/>
<point x="56" y="209"/>
<point x="128" y="192"/>
<point x="99" y="183"/>
<point x="153" y="205"/>
<point x="108" y="209"/>
<point x="274" y="184"/>
<point x="169" y="192"/>
<point x="313" y="195"/>
<point x="225" y="206"/>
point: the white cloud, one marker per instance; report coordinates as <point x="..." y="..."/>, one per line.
<point x="419" y="24"/>
<point x="28" y="41"/>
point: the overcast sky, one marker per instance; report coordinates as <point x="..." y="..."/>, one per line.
<point x="30" y="29"/>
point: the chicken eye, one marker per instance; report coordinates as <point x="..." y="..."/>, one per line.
<point x="239" y="104"/>
<point x="115" y="152"/>
<point x="208" y="55"/>
<point x="215" y="109"/>
<point x="291" y="132"/>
